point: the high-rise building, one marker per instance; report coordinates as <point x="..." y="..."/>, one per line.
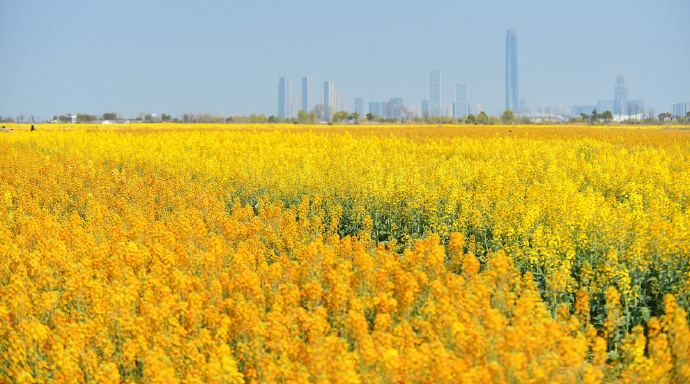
<point x="375" y="108"/>
<point x="435" y="93"/>
<point x="393" y="109"/>
<point x="306" y="94"/>
<point x="359" y="106"/>
<point x="621" y="95"/>
<point x="681" y="109"/>
<point x="295" y="105"/>
<point x="328" y="99"/>
<point x="284" y="97"/>
<point x="337" y="102"/>
<point x="461" y="105"/>
<point x="511" y="71"/>
<point x="425" y="107"/>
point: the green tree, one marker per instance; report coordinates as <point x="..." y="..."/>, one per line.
<point x="338" y="117"/>
<point x="164" y="117"/>
<point x="471" y="119"/>
<point x="303" y="117"/>
<point x="482" y="118"/>
<point x="110" y="116"/>
<point x="595" y="117"/>
<point x="370" y="116"/>
<point x="355" y="116"/>
<point x="84" y="118"/>
<point x="508" y="116"/>
<point x="607" y="116"/>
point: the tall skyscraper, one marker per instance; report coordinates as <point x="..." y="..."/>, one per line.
<point x="359" y="106"/>
<point x="435" y="93"/>
<point x="621" y="95"/>
<point x="284" y="97"/>
<point x="461" y="105"/>
<point x="328" y="99"/>
<point x="306" y="94"/>
<point x="511" y="71"/>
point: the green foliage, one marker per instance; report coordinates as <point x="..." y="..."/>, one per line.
<point x="508" y="117"/>
<point x="482" y="118"/>
<point x="108" y="116"/>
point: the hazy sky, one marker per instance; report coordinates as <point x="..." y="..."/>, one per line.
<point x="225" y="57"/>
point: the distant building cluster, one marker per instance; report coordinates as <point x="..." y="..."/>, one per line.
<point x="681" y="109"/>
<point x="621" y="106"/>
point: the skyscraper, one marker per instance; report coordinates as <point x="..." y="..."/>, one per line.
<point x="396" y="109"/>
<point x="306" y="94"/>
<point x="284" y="97"/>
<point x="435" y="93"/>
<point x="375" y="108"/>
<point x="359" y="106"/>
<point x="328" y="99"/>
<point x="621" y="95"/>
<point x="511" y="71"/>
<point x="461" y="105"/>
<point x="425" y="107"/>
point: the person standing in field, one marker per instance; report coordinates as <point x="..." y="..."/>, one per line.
<point x="32" y="128"/>
<point x="3" y="129"/>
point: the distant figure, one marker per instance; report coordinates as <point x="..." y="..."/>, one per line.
<point x="3" y="129"/>
<point x="509" y="132"/>
<point x="32" y="128"/>
<point x="11" y="130"/>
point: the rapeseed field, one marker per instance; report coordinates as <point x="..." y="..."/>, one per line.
<point x="344" y="254"/>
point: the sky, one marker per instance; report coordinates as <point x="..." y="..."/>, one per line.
<point x="225" y="57"/>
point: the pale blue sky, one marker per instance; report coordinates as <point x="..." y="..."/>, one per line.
<point x="225" y="57"/>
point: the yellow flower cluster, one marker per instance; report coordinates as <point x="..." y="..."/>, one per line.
<point x="332" y="254"/>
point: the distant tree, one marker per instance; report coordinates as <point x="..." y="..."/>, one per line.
<point x="482" y="118"/>
<point x="257" y="119"/>
<point x="650" y="113"/>
<point x="687" y="115"/>
<point x="20" y="118"/>
<point x="471" y="119"/>
<point x="319" y="112"/>
<point x="338" y="117"/>
<point x="607" y="115"/>
<point x="274" y="119"/>
<point x="85" y="118"/>
<point x="665" y="115"/>
<point x="164" y="117"/>
<point x="110" y="116"/>
<point x="508" y="116"/>
<point x="355" y="116"/>
<point x="370" y="116"/>
<point x="594" y="118"/>
<point x="303" y="117"/>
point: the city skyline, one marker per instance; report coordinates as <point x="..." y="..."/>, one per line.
<point x="224" y="58"/>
